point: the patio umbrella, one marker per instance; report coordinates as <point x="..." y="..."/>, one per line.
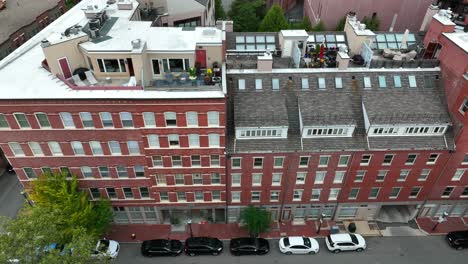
<point x="404" y="39"/>
<point x="322" y="50"/>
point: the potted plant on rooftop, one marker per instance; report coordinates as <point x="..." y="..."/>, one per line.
<point x="192" y="73"/>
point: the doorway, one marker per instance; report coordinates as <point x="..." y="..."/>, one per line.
<point x="65" y="67"/>
<point x="201" y="57"/>
<point x="130" y="67"/>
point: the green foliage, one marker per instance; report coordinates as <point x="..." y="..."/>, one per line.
<point x="25" y="238"/>
<point x="320" y="26"/>
<point x="219" y="10"/>
<point x="274" y="20"/>
<point x="371" y="23"/>
<point x="247" y="14"/>
<point x="341" y="24"/>
<point x="70" y="3"/>
<point x="304" y="24"/>
<point x="58" y="193"/>
<point x="257" y="220"/>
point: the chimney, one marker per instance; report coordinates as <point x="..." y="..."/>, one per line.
<point x="265" y="62"/>
<point x="430" y="12"/>
<point x="357" y="34"/>
<point x="440" y="23"/>
<point x="342" y="59"/>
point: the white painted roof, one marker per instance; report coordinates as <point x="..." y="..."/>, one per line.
<point x="22" y="77"/>
<point x="460" y="39"/>
<point x="295" y="33"/>
<point x="442" y="18"/>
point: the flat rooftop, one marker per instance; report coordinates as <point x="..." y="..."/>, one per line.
<point x="20" y="13"/>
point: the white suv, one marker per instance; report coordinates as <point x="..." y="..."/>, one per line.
<point x="345" y="242"/>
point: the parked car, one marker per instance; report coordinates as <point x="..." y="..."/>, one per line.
<point x="458" y="239"/>
<point x="345" y="242"/>
<point x="298" y="245"/>
<point x="106" y="248"/>
<point x="161" y="247"/>
<point x="249" y="246"/>
<point x="203" y="246"/>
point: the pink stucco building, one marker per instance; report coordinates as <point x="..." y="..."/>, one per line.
<point x="396" y="14"/>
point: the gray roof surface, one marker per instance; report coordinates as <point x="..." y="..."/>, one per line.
<point x="202" y="2"/>
<point x="339" y="106"/>
<point x="19" y="13"/>
<point x="327" y="108"/>
<point x="260" y="109"/>
<point x="405" y="107"/>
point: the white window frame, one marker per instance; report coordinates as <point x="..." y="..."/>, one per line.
<point x="276" y="178"/>
<point x="367" y="82"/>
<point x="153" y="141"/>
<point x="274" y="198"/>
<point x="194" y="140"/>
<point x="385" y="163"/>
<point x="457" y="176"/>
<point x="382" y="174"/>
<point x="67" y="120"/>
<point x="321" y="83"/>
<point x="253" y="163"/>
<point x="213" y="118"/>
<point x="124" y="117"/>
<point x="353" y="196"/>
<point x="241" y="84"/>
<point x="339" y="176"/>
<point x="96" y="145"/>
<point x="274" y="162"/>
<point x="214" y="140"/>
<point x="368" y="160"/>
<point x="87" y="117"/>
<point x="104" y="117"/>
<point x="463" y="107"/>
<point x="39" y="122"/>
<point x="297" y="194"/>
<point x="275" y="84"/>
<point x="258" y="84"/>
<point x="304" y="83"/>
<point x="117" y="151"/>
<point x="133" y="145"/>
<point x="382" y="81"/>
<point x="414" y="160"/>
<point x="324" y="173"/>
<point x="192" y="119"/>
<point x="85" y="170"/>
<point x="25" y="118"/>
<point x="358" y="172"/>
<point x="412" y="81"/>
<point x="240" y="163"/>
<point x="55" y="148"/>
<point x="170" y="116"/>
<point x="335" y="192"/>
<point x="429" y="159"/>
<point x="155" y="161"/>
<point x="301" y="177"/>
<point x="419" y="191"/>
<point x="373" y="197"/>
<point x="327" y="157"/>
<point x="19" y="150"/>
<point x="77" y="147"/>
<point x="328" y="131"/>
<point x="405" y="173"/>
<point x="257" y="179"/>
<point x="338" y="83"/>
<point x="149" y="119"/>
<point x="424" y="174"/>
<point x="307" y="162"/>
<point x="397" y="194"/>
<point x="347" y="160"/>
<point x="235" y="196"/>
<point x="36" y="148"/>
<point x="257" y="193"/>
<point x="236" y="179"/>
<point x="314" y="196"/>
<point x="175" y="139"/>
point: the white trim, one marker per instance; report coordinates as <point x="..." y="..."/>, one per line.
<point x="328" y="131"/>
<point x="275" y="132"/>
<point x="406" y="130"/>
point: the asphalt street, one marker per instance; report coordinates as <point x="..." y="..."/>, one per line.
<point x="11" y="199"/>
<point x="381" y="250"/>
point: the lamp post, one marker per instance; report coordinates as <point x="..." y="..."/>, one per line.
<point x="441" y="219"/>
<point x="189" y="222"/>
<point x="320" y="222"/>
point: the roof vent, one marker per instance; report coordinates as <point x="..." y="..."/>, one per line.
<point x="209" y="31"/>
<point x="94" y="24"/>
<point x="136" y="43"/>
<point x="94" y="33"/>
<point x="45" y="43"/>
<point x="362" y="26"/>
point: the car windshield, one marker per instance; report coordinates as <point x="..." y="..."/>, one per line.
<point x="354" y="239"/>
<point x="286" y="241"/>
<point x="307" y="242"/>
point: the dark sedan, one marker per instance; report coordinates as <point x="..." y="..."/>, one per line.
<point x="203" y="246"/>
<point x="161" y="247"/>
<point x="249" y="246"/>
<point x="458" y="239"/>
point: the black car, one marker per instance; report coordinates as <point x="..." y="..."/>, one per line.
<point x="161" y="247"/>
<point x="458" y="239"/>
<point x="203" y="246"/>
<point x="249" y="246"/>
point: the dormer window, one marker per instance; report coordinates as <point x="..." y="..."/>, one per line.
<point x="397" y="81"/>
<point x="334" y="131"/>
<point x="407" y="130"/>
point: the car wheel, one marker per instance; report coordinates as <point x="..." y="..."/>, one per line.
<point x="359" y="249"/>
<point x="215" y="253"/>
<point x="288" y="253"/>
<point x="336" y="251"/>
<point x="191" y="254"/>
<point x="311" y="252"/>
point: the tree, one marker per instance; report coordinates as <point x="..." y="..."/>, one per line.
<point x="26" y="237"/>
<point x="341" y="24"/>
<point x="274" y="20"/>
<point x="304" y="24"/>
<point x="371" y="23"/>
<point x="320" y="26"/>
<point x="257" y="220"/>
<point x="56" y="192"/>
<point x="70" y="3"/>
<point x="247" y="14"/>
<point x="219" y="10"/>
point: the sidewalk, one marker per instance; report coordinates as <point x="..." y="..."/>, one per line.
<point x="122" y="233"/>
<point x="426" y="224"/>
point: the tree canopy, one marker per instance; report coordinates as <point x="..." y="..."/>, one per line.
<point x="247" y="14"/>
<point x="372" y="23"/>
<point x="341" y="24"/>
<point x="320" y="26"/>
<point x="62" y="214"/>
<point x="57" y="192"/>
<point x="257" y="220"/>
<point x="220" y="14"/>
<point x="274" y="20"/>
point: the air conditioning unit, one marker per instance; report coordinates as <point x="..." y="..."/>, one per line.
<point x="94" y="33"/>
<point x="94" y="24"/>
